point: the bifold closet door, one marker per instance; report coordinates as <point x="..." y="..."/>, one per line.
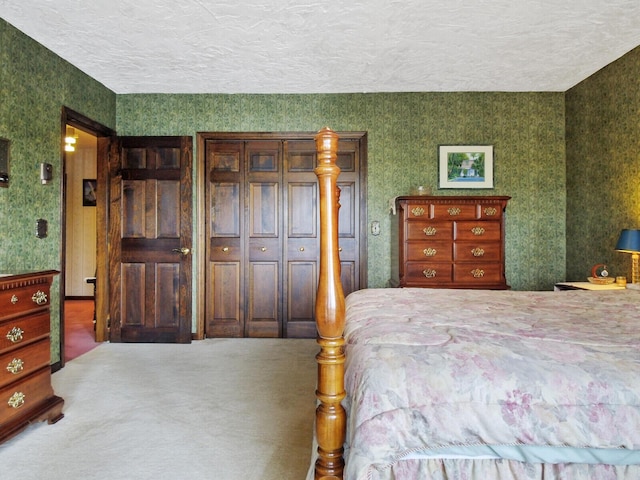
<point x="244" y="230"/>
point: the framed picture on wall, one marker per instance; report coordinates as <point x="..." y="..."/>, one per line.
<point x="89" y="192"/>
<point x="465" y="166"/>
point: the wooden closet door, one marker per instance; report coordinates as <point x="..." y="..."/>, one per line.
<point x="244" y="230"/>
<point x="302" y="236"/>
<point x="302" y="253"/>
<point x="264" y="227"/>
<point x="225" y="230"/>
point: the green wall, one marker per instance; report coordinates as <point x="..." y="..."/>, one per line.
<point x="34" y="86"/>
<point x="603" y="166"/>
<point x="404" y="131"/>
<point x="565" y="215"/>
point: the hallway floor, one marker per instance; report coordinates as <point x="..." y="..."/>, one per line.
<point x="78" y="328"/>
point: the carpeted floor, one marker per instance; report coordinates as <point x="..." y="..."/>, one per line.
<point x="224" y="409"/>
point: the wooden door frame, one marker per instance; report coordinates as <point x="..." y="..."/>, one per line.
<point x="81" y="122"/>
<point x="201" y="242"/>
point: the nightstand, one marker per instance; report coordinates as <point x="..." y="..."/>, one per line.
<point x="562" y="286"/>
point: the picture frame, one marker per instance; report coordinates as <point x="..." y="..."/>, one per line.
<point x="465" y="166"/>
<point x="89" y="192"/>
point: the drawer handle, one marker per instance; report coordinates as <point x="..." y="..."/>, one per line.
<point x="225" y="249"/>
<point x="453" y="211"/>
<point x="16" y="400"/>
<point x="490" y="211"/>
<point x="15" y="335"/>
<point x="15" y="366"/>
<point x="14" y="299"/>
<point x="263" y="249"/>
<point x="417" y="211"/>
<point x="429" y="273"/>
<point x="39" y="297"/>
<point x="429" y="252"/>
<point x="477" y="252"/>
<point x="430" y="231"/>
<point x="477" y="273"/>
<point x="477" y="231"/>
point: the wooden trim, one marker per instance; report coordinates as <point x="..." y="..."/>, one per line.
<point x="330" y="415"/>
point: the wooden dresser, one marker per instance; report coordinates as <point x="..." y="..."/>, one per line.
<point x="26" y="394"/>
<point x="451" y="242"/>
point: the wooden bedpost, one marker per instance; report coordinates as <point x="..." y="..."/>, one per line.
<point x="330" y="415"/>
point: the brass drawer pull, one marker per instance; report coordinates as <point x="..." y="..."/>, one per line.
<point x="477" y="231"/>
<point x="477" y="273"/>
<point x="417" y="211"/>
<point x="225" y="249"/>
<point x="490" y="211"/>
<point x="15" y="335"/>
<point x="429" y="252"/>
<point x="15" y="366"/>
<point x="39" y="298"/>
<point x="14" y="299"/>
<point x="429" y="273"/>
<point x="430" y="231"/>
<point x="477" y="252"/>
<point x="453" y="211"/>
<point x="16" y="400"/>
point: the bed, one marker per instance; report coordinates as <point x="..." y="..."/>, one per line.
<point x="471" y="384"/>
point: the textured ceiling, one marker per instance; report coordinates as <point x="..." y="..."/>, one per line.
<point x="332" y="46"/>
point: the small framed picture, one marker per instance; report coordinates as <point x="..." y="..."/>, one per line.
<point x="89" y="192"/>
<point x="465" y="166"/>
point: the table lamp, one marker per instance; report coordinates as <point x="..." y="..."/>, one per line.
<point x="629" y="242"/>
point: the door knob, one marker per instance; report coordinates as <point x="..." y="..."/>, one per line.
<point x="183" y="250"/>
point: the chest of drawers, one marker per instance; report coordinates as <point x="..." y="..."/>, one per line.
<point x="451" y="242"/>
<point x="26" y="394"/>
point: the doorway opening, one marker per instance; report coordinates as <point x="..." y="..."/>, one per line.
<point x="83" y="248"/>
<point x="80" y="179"/>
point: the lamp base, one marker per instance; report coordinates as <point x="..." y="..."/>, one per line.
<point x="635" y="270"/>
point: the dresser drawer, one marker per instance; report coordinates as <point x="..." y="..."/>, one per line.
<point x="478" y="230"/>
<point x="429" y="230"/>
<point x="19" y="363"/>
<point x="15" y="333"/>
<point x="464" y="211"/>
<point x="25" y="394"/>
<point x="21" y="300"/>
<point x="477" y="251"/>
<point x="427" y="273"/>
<point x="479" y="273"/>
<point x="490" y="212"/>
<point x="429" y="250"/>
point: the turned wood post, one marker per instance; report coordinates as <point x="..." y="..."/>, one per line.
<point x="330" y="415"/>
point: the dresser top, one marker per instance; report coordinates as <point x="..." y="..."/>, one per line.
<point x="9" y="278"/>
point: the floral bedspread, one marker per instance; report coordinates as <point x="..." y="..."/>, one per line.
<point x="432" y="367"/>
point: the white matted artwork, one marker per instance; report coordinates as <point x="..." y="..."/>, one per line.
<point x="465" y="166"/>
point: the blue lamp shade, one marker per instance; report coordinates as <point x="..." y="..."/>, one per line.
<point x="629" y="241"/>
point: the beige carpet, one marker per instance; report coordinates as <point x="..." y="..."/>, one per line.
<point x="224" y="409"/>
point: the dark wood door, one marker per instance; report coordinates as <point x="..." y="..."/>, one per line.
<point x="150" y="237"/>
<point x="244" y="230"/>
<point x="262" y="231"/>
<point x="302" y="252"/>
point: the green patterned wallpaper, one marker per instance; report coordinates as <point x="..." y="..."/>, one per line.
<point x="603" y="166"/>
<point x="34" y="86"/>
<point x="564" y="214"/>
<point x="404" y="131"/>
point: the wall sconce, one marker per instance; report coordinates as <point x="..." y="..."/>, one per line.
<point x="629" y="242"/>
<point x="70" y="140"/>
